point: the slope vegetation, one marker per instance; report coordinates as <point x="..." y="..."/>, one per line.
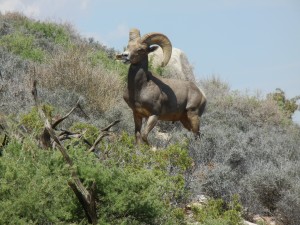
<point x="248" y="155"/>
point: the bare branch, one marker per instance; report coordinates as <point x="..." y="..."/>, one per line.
<point x="81" y="109"/>
<point x="99" y="138"/>
<point x="34" y="93"/>
<point x="68" y="135"/>
<point x="54" y="125"/>
<point x="104" y="132"/>
<point x="86" y="198"/>
<point x="4" y="141"/>
<point x="89" y="207"/>
<point x="110" y="125"/>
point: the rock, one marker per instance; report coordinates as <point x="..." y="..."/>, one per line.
<point x="178" y="66"/>
<point x="202" y="199"/>
<point x="198" y="202"/>
<point x="163" y="136"/>
<point x="268" y="220"/>
<point x="249" y="223"/>
<point x="192" y="205"/>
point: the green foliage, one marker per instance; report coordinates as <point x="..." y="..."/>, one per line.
<point x="217" y="212"/>
<point x="32" y="39"/>
<point x="288" y="106"/>
<point x="101" y="57"/>
<point x="33" y="186"/>
<point x="90" y="132"/>
<point x="51" y="31"/>
<point x="32" y="121"/>
<point x="157" y="70"/>
<point x="23" y="45"/>
<point x="169" y="165"/>
<point x="127" y="196"/>
<point x="134" y="184"/>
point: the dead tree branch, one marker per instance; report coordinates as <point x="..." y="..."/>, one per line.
<point x="45" y="139"/>
<point x="85" y="197"/>
<point x="110" y="125"/>
<point x="58" y="121"/>
<point x="104" y="132"/>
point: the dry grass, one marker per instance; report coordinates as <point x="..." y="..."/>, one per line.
<point x="71" y="70"/>
<point x="13" y="16"/>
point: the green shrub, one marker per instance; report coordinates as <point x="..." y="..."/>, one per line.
<point x="288" y="106"/>
<point x="217" y="212"/>
<point x="137" y="185"/>
<point x="157" y="70"/>
<point x="133" y="185"/>
<point x="33" y="186"/>
<point x="90" y="132"/>
<point x="101" y="57"/>
<point x="50" y="31"/>
<point x="32" y="120"/>
<point x="23" y="45"/>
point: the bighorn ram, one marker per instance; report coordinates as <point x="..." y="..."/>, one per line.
<point x="156" y="98"/>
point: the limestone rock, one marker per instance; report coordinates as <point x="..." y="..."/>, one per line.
<point x="178" y="66"/>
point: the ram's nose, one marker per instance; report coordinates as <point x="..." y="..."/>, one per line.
<point x="119" y="57"/>
<point x="124" y="55"/>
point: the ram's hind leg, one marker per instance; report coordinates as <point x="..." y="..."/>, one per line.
<point x="195" y="123"/>
<point x="191" y="122"/>
<point x="186" y="123"/>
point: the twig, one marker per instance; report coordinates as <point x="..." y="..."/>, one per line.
<point x="99" y="138"/>
<point x="110" y="125"/>
<point x="54" y="125"/>
<point x="104" y="132"/>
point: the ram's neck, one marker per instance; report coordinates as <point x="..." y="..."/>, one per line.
<point x="137" y="76"/>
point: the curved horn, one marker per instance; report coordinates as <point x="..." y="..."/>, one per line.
<point x="161" y="40"/>
<point x="134" y="34"/>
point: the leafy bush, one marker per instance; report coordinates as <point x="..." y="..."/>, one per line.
<point x="33" y="186"/>
<point x="23" y="45"/>
<point x="89" y="131"/>
<point x="32" y="121"/>
<point x="136" y="185"/>
<point x="101" y="57"/>
<point x="157" y="70"/>
<point x="217" y="212"/>
<point x="288" y="106"/>
<point x="50" y="31"/>
<point x="57" y="33"/>
<point x="133" y="185"/>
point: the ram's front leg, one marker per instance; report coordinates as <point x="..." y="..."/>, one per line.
<point x="138" y="121"/>
<point x="150" y="123"/>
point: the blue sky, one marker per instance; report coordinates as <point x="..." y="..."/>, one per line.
<point x="253" y="45"/>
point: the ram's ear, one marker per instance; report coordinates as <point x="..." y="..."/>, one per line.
<point x="153" y="48"/>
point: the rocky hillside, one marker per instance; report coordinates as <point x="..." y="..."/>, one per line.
<point x="247" y="161"/>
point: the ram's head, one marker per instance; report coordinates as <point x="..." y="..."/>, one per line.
<point x="139" y="47"/>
